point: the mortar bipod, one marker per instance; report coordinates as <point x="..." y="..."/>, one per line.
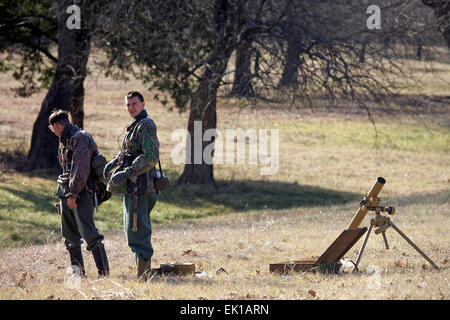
<point x="383" y="223"/>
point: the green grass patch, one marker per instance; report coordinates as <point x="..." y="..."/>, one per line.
<point x="28" y="213"/>
<point x="388" y="135"/>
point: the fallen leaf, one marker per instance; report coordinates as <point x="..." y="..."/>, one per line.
<point x="189" y="252"/>
<point x="221" y="270"/>
<point x="312" y="292"/>
<point x="425" y="267"/>
<point x="22" y="279"/>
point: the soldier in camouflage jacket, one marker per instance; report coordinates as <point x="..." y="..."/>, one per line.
<point x="74" y="190"/>
<point x="131" y="172"/>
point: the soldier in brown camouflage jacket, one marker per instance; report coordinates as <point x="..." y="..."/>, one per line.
<point x="75" y="192"/>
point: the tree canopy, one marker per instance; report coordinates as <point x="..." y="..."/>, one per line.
<point x="304" y="49"/>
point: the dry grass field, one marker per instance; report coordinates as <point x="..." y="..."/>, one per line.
<point x="329" y="158"/>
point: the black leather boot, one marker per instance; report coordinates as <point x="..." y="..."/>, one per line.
<point x="76" y="259"/>
<point x="101" y="260"/>
<point x="144" y="269"/>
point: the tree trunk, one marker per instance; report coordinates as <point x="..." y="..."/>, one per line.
<point x="242" y="86"/>
<point x="419" y="50"/>
<point x="227" y="16"/>
<point x="66" y="91"/>
<point x="292" y="63"/>
<point x="362" y="53"/>
<point x="202" y="109"/>
<point x="76" y="107"/>
<point x="442" y="13"/>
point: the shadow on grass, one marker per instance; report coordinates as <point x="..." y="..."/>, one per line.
<point x="15" y="161"/>
<point x="235" y="195"/>
<point x="439" y="197"/>
<point x="39" y="201"/>
<point x="241" y="195"/>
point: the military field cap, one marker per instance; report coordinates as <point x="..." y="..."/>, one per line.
<point x="57" y="116"/>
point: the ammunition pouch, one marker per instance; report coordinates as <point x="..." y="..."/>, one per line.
<point x="160" y="181"/>
<point x="63" y="186"/>
<point x="138" y="186"/>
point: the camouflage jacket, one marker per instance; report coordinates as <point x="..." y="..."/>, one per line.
<point x="75" y="152"/>
<point x="141" y="142"/>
